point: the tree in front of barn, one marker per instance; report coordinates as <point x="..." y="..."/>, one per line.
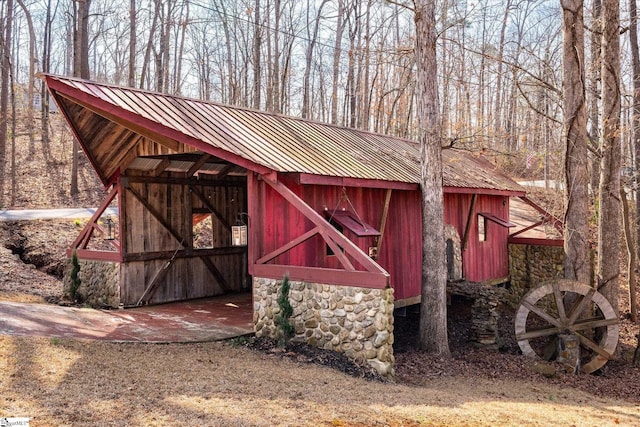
<point x="433" y="306"/>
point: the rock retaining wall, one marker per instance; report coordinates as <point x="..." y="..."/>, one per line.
<point x="100" y="282"/>
<point x="530" y="265"/>
<point x="355" y="321"/>
<point x="485" y="311"/>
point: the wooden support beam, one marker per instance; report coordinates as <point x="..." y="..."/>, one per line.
<point x="151" y="289"/>
<point x="557" y="223"/>
<point x="535" y="242"/>
<point x="383" y="219"/>
<point x="184" y="181"/>
<point x="365" y="279"/>
<point x="524" y="230"/>
<point x="225" y="171"/>
<point x="122" y="222"/>
<point x="337" y="251"/>
<point x="183" y="253"/>
<point x="292" y="244"/>
<point x="89" y="226"/>
<point x="216" y="273"/>
<point x="108" y="256"/>
<point x="467" y="227"/>
<point x="157" y="216"/>
<point x="350" y="248"/>
<point x="211" y="208"/>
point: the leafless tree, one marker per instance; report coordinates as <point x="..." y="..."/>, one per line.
<point x="576" y="232"/>
<point x="608" y="271"/>
<point x="433" y="306"/>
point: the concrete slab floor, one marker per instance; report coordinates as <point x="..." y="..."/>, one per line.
<point x="209" y="319"/>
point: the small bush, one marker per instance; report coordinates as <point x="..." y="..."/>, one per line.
<point x="75" y="280"/>
<point x="286" y="310"/>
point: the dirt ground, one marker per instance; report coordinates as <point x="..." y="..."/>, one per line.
<point x="243" y="383"/>
<point x="248" y="383"/>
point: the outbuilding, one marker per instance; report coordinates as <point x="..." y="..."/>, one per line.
<point x="335" y="209"/>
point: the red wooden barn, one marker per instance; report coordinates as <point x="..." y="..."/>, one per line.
<point x="322" y="203"/>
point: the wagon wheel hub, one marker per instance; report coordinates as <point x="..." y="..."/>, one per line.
<point x="568" y="307"/>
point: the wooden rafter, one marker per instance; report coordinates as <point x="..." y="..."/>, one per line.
<point x="164" y="163"/>
<point x="224" y="172"/>
<point x="197" y="165"/>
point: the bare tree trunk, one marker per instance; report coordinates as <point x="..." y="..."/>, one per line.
<point x="165" y="48"/>
<point x="433" y="306"/>
<point x="497" y="124"/>
<point x="635" y="119"/>
<point x="32" y="70"/>
<point x="147" y="53"/>
<point x="4" y="93"/>
<point x="609" y="190"/>
<point x="576" y="226"/>
<point x="594" y="111"/>
<point x="46" y="61"/>
<point x="184" y="23"/>
<point x="14" y="181"/>
<point x="365" y="87"/>
<point x="354" y="29"/>
<point x="631" y="255"/>
<point x="132" y="43"/>
<point x="306" y="104"/>
<point x="336" y="63"/>
<point x="80" y="69"/>
<point x="257" y="45"/>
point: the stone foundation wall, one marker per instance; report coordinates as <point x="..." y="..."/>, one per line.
<point x="355" y="321"/>
<point x="530" y="265"/>
<point x="100" y="282"/>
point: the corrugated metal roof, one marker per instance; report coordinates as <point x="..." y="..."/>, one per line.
<point x="281" y="143"/>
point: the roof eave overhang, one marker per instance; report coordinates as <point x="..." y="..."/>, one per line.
<point x="136" y="123"/>
<point x="487" y="191"/>
<point x="306" y="178"/>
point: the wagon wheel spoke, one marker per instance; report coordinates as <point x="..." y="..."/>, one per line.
<point x="592" y="323"/>
<point x="538" y="332"/>
<point x="544" y="315"/>
<point x="559" y="303"/>
<point x="578" y="319"/>
<point x="593" y="346"/>
<point x="580" y="305"/>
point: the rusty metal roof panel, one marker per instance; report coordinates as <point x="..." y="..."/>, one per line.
<point x="289" y="144"/>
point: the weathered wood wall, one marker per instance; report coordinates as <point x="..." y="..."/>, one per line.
<point x="158" y="225"/>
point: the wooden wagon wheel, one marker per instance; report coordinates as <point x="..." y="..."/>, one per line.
<point x="590" y="311"/>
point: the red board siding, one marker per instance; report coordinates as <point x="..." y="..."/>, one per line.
<point x="480" y="260"/>
<point x="280" y="223"/>
<point x="275" y="223"/>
